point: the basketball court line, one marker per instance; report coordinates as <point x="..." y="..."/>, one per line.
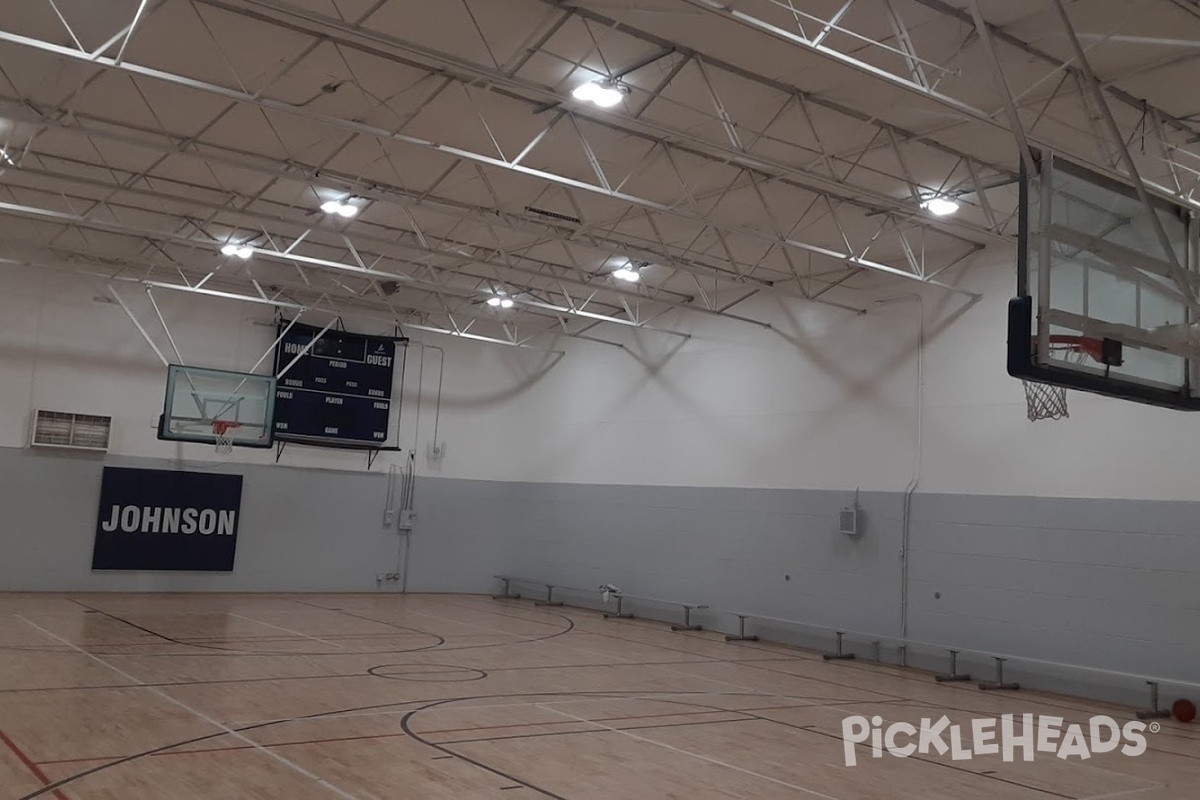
<point x="888" y="696"/>
<point x="912" y="675"/>
<point x="544" y="734"/>
<point x="893" y="700"/>
<point x="397" y="626"/>
<point x="29" y="764"/>
<point x="583" y="695"/>
<point x="284" y="679"/>
<point x="681" y="751"/>
<point x="697" y="659"/>
<point x="288" y="630"/>
<point x="1085" y="706"/>
<point x="1129" y="793"/>
<point x="492" y="631"/>
<point x="198" y="714"/>
<point x="369" y="737"/>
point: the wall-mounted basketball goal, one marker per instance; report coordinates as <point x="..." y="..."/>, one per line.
<point x="1103" y="306"/>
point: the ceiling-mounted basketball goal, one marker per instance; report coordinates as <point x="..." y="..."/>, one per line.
<point x="1102" y="306"/>
<point x="218" y="407"/>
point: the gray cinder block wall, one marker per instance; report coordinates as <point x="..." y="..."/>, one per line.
<point x="1107" y="583"/>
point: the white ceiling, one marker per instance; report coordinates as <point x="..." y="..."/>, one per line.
<point x="765" y="146"/>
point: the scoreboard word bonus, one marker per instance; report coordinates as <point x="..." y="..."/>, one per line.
<point x="339" y="390"/>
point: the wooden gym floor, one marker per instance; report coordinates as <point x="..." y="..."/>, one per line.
<point x="421" y="696"/>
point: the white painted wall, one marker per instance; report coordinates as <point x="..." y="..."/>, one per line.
<point x="978" y="440"/>
<point x="831" y="405"/>
<point x="826" y="400"/>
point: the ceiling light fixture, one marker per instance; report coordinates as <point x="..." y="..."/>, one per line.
<point x="342" y="209"/>
<point x="627" y="274"/>
<point x="940" y="206"/>
<point x="500" y="301"/>
<point x="242" y="251"/>
<point x="604" y="94"/>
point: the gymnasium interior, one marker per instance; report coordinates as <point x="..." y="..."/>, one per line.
<point x="594" y="399"/>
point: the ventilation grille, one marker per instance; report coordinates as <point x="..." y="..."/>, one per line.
<point x="79" y="431"/>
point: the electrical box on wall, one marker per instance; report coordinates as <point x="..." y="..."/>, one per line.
<point x="849" y="518"/>
<point x="849" y="521"/>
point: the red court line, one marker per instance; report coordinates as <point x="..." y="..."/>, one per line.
<point x="30" y="765"/>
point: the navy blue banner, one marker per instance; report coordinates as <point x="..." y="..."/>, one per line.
<point x="338" y="390"/>
<point x="153" y="519"/>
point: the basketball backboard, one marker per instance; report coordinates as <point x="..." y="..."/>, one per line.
<point x="1102" y="307"/>
<point x="203" y="405"/>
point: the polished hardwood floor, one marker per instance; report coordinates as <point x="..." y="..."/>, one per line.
<point x="292" y="697"/>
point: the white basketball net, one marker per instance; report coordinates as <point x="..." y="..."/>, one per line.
<point x="223" y="434"/>
<point x="1044" y="401"/>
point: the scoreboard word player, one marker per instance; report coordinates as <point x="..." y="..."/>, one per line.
<point x="339" y="391"/>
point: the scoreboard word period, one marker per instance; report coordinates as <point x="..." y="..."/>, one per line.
<point x="338" y="391"/>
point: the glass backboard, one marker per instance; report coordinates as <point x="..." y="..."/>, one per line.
<point x="203" y="404"/>
<point x="1103" y="306"/>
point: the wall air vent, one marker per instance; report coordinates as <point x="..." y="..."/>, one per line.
<point x="75" y="431"/>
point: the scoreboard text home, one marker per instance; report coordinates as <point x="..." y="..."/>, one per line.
<point x="338" y="391"/>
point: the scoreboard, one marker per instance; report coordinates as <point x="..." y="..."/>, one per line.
<point x="339" y="391"/>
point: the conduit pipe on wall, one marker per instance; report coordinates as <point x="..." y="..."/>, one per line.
<point x="906" y="517"/>
<point x="407" y="506"/>
<point x="437" y="407"/>
<point x="398" y="510"/>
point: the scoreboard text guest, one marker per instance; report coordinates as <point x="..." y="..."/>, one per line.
<point x="338" y="391"/>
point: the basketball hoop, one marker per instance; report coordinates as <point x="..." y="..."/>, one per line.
<point x="223" y="434"/>
<point x="1046" y="401"/>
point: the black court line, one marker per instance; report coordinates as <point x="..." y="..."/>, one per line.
<point x="900" y="672"/>
<point x="645" y="694"/>
<point x="889" y="670"/>
<point x="223" y="681"/>
<point x="863" y="746"/>
<point x="244" y="652"/>
<point x="666" y="697"/>
<point x="593" y="730"/>
<point x="440" y="646"/>
<point x="1034" y="697"/>
<point x="873" y="668"/>
<point x="663" y="697"/>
